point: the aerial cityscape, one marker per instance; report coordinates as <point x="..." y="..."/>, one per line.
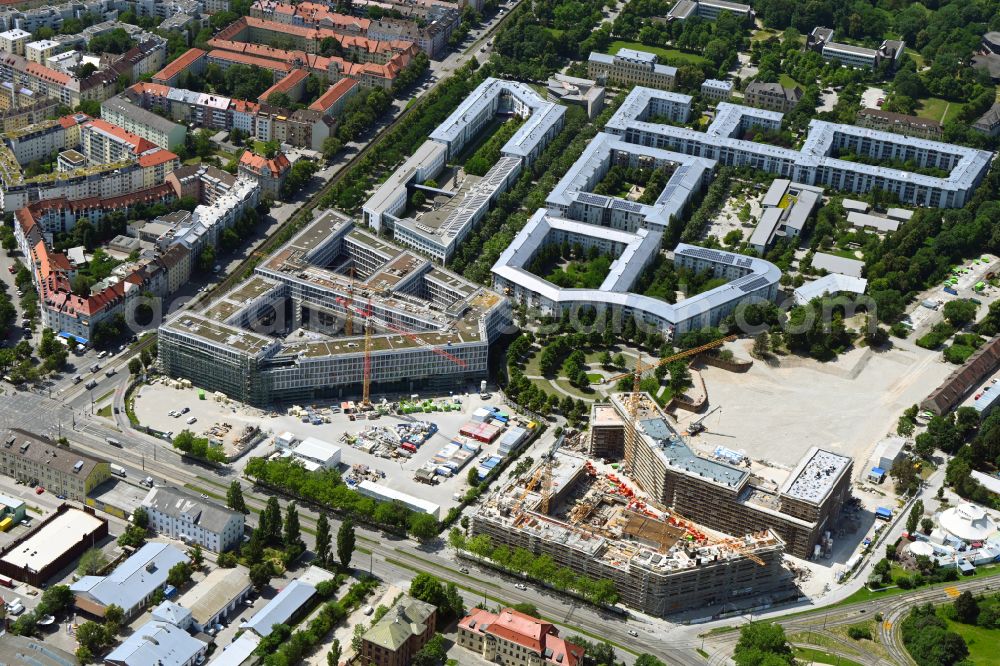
<point x="528" y="332"/>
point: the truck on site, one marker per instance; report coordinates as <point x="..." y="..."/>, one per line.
<point x="117" y="470"/>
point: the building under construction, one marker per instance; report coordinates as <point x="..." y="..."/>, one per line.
<point x="715" y="493"/>
<point x="595" y="524"/>
<point x="334" y="312"/>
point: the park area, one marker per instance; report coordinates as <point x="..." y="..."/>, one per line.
<point x="666" y="56"/>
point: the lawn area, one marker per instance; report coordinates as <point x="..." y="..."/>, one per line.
<point x="917" y="58"/>
<point x="595" y="377"/>
<point x="667" y="56"/>
<point x="982" y="642"/>
<point x="105" y="411"/>
<point x="938" y="109"/>
<point x="789" y="82"/>
<point x="820" y="657"/>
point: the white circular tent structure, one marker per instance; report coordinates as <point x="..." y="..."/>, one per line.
<point x="921" y="548"/>
<point x="967" y="522"/>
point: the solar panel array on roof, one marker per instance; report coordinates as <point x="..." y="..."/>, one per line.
<point x="592" y="199"/>
<point x="630" y="206"/>
<point x="744" y="262"/>
<point x="753" y="284"/>
<point x="710" y="255"/>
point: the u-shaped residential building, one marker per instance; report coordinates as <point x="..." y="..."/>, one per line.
<point x="632" y="231"/>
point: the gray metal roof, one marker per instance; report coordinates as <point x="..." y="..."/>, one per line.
<point x="134" y="579"/>
<point x="283" y="606"/>
<point x="159" y="643"/>
<point x="178" y="503"/>
<point x="835" y="264"/>
<point x="140" y="115"/>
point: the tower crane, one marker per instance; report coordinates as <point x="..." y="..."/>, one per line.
<point x="631" y="432"/>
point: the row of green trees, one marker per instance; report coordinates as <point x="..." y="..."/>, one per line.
<point x="539" y="567"/>
<point x="327" y="489"/>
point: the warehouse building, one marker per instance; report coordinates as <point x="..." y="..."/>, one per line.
<point x="61" y="471"/>
<point x="59" y="539"/>
<point x="283" y="335"/>
<point x="215" y="597"/>
<point x="131" y="585"/>
<point x="287" y="605"/>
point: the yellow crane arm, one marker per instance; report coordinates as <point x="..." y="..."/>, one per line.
<point x="641" y="368"/>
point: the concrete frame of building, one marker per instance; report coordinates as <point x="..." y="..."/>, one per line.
<point x="433" y="328"/>
<point x="722" y="496"/>
<point x="657" y="579"/>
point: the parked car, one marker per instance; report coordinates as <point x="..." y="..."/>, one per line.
<point x="39" y="490"/>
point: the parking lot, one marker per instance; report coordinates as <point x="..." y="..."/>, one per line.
<point x="155" y="401"/>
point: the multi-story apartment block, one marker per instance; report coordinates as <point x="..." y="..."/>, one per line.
<point x="887" y="121"/>
<point x="713" y="90"/>
<point x="332" y="102"/>
<point x="268" y="173"/>
<point x="40" y="51"/>
<point x="428" y="26"/>
<point x="512" y="638"/>
<point x="816" y="163"/>
<point x="371" y="62"/>
<point x="69" y="90"/>
<point x="34" y="461"/>
<point x="42" y="140"/>
<point x="771" y="96"/>
<point x="989" y="122"/>
<point x="629" y="67"/>
<point x="193" y="60"/>
<point x="16" y="116"/>
<point x="14" y="41"/>
<point x="708" y="10"/>
<point x="238" y="345"/>
<point x="393" y="640"/>
<point x="182" y="515"/>
<point x="437" y="233"/>
<point x="52" y="16"/>
<point x="140" y="122"/>
<point x="849" y="55"/>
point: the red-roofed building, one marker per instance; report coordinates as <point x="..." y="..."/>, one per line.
<point x="226" y="59"/>
<point x="269" y="173"/>
<point x="292" y="85"/>
<point x="333" y="100"/>
<point x="193" y="60"/>
<point x="512" y="638"/>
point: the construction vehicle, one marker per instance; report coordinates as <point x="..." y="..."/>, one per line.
<point x="698" y="426"/>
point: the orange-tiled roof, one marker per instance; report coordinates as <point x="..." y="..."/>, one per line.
<point x="295" y="77"/>
<point x="244" y="106"/>
<point x="47" y="74"/>
<point x="73" y="119"/>
<point x="259" y="164"/>
<point x="146" y="88"/>
<point x="333" y="94"/>
<point x="530" y="632"/>
<point x="157" y="158"/>
<point x="139" y="145"/>
<point x="174" y="68"/>
<point x="243" y="59"/>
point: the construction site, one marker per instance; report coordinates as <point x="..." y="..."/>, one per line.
<point x="633" y="503"/>
<point x="595" y="523"/>
<point x="329" y="314"/>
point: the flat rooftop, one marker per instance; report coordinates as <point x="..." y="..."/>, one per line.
<point x="815" y="476"/>
<point x="48" y="543"/>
